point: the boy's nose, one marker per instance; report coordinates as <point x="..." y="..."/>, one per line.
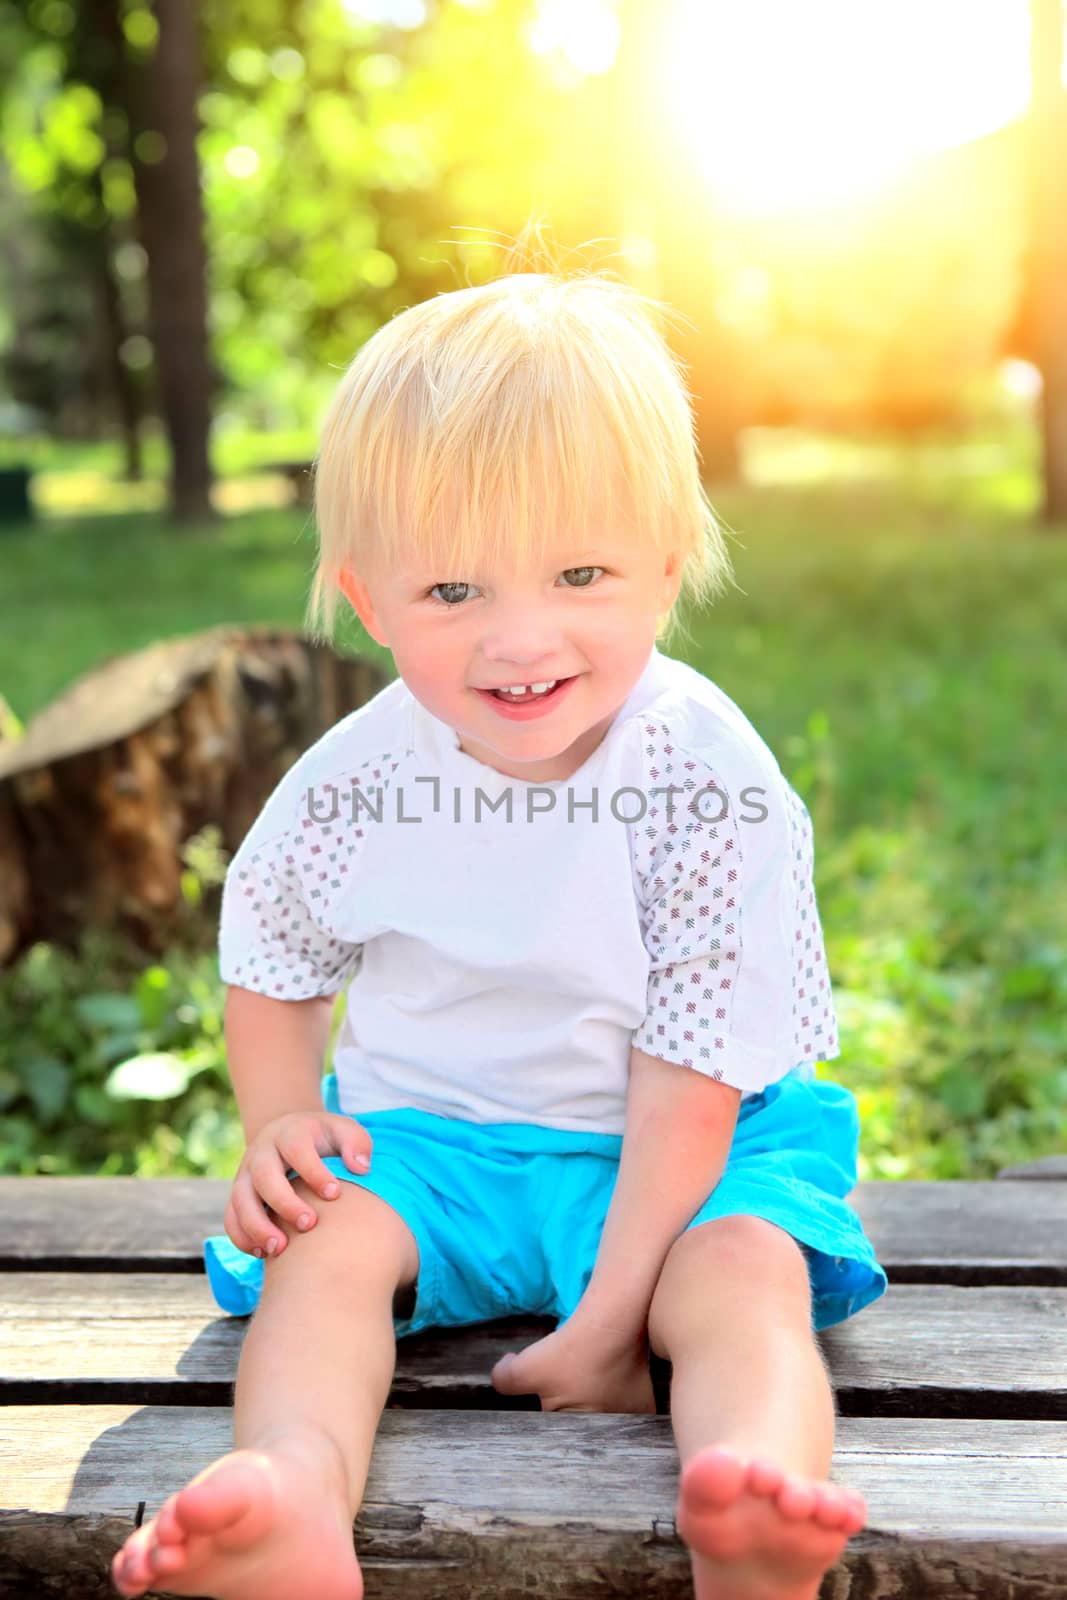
<point x="524" y="650"/>
<point x="520" y="636"/>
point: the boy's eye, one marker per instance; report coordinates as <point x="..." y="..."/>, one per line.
<point x="452" y="600"/>
<point x="448" y="600"/>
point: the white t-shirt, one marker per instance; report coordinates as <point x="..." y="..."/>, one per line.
<point x="505" y="944"/>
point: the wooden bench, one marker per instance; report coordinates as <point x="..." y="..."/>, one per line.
<point x="117" y="1371"/>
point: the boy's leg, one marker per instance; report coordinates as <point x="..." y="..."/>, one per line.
<point x="274" y="1516"/>
<point x="320" y="1352"/>
<point x="752" y="1411"/>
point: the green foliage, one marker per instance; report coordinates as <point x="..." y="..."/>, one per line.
<point x="334" y="154"/>
<point x="114" y="1066"/>
<point x="77" y="591"/>
<point x="895" y="646"/>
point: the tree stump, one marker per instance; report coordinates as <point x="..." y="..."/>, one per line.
<point x="99" y="795"/>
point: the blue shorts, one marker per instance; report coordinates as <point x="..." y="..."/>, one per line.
<point x="508" y="1216"/>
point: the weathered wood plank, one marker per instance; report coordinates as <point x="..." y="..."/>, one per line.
<point x="513" y="1507"/>
<point x="1045" y="1168"/>
<point x="966" y="1233"/>
<point x="946" y="1232"/>
<point x="159" y="1338"/>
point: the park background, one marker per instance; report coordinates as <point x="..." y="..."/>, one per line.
<point x="859" y="213"/>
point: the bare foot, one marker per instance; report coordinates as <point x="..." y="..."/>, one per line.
<point x="757" y="1533"/>
<point x="262" y="1524"/>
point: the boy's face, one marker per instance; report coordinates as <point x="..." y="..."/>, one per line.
<point x="586" y="613"/>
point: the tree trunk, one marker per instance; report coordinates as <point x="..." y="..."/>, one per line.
<point x="1048" y="189"/>
<point x="114" y="334"/>
<point x="161" y="101"/>
<point x="101" y="792"/>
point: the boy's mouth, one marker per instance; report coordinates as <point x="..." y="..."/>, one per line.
<point x="522" y="707"/>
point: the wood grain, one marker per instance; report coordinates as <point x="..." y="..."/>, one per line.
<point x="922" y="1232"/>
<point x="501" y="1504"/>
<point x="159" y="1337"/>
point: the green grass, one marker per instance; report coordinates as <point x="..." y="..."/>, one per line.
<point x="902" y="657"/>
<point x="78" y="589"/>
<point x="898" y="642"/>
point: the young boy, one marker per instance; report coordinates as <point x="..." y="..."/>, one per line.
<point x="569" y="893"/>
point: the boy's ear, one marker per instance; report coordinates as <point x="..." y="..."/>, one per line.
<point x="672" y="578"/>
<point x="357" y="594"/>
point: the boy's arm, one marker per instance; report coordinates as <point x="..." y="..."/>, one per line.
<point x="679" y="1127"/>
<point x="275" y="1050"/>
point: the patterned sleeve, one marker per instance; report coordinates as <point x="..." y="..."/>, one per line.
<point x="269" y="938"/>
<point x="738" y="987"/>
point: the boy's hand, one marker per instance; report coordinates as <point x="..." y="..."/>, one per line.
<point x="296" y="1142"/>
<point x="581" y="1368"/>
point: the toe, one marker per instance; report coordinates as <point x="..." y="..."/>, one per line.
<point x="133" y="1554"/>
<point x="124" y="1578"/>
<point x="796" y="1499"/>
<point x="857" y="1510"/>
<point x="168" y="1529"/>
<point x="831" y="1507"/>
<point x="166" y="1559"/>
<point x="217" y="1502"/>
<point x="713" y="1478"/>
<point x="765" y="1477"/>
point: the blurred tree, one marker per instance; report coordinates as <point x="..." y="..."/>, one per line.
<point x="664" y="206"/>
<point x="325" y="191"/>
<point x="153" y="66"/>
<point x="51" y="361"/>
<point x="586" y="150"/>
<point x="63" y="138"/>
<point x="882" y="315"/>
<point x="95" y="56"/>
<point x="1048" y="241"/>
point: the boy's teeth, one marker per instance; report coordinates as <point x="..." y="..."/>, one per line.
<point x="530" y="688"/>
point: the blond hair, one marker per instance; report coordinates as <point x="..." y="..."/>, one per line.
<point x="486" y="421"/>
